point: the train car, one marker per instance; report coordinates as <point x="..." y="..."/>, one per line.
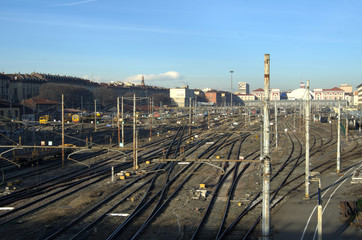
<point x="75" y="118"/>
<point x="38" y="155"/>
<point x="44" y="119"/>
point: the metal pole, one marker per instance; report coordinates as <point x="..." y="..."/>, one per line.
<point x="346" y="128"/>
<point x="276" y="124"/>
<point x="195" y="109"/>
<point x="81" y="103"/>
<point x="112" y="174"/>
<point x="122" y="124"/>
<point x="261" y="141"/>
<point x="190" y="118"/>
<point x="261" y="130"/>
<point x="307" y="172"/>
<point x="134" y="132"/>
<point x="95" y="115"/>
<point x="62" y="131"/>
<point x="339" y="138"/>
<point x="136" y="149"/>
<point x="320" y="210"/>
<point x="118" y="128"/>
<point x="151" y="115"/>
<point x="295" y="112"/>
<point x="248" y="117"/>
<point x="231" y="90"/>
<point x="208" y="118"/>
<point x="266" y="157"/>
<point x="300" y="116"/>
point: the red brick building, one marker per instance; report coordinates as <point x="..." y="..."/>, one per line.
<point x="213" y="96"/>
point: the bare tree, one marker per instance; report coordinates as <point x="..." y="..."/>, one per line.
<point x="161" y="97"/>
<point x="104" y="95"/>
<point x="73" y="95"/>
<point x="129" y="95"/>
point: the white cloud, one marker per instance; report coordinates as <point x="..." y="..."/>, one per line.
<point x="172" y="76"/>
<point x="94" y="78"/>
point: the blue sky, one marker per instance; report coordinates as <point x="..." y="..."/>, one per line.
<point x="196" y="42"/>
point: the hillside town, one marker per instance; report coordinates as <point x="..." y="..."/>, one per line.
<point x="22" y="94"/>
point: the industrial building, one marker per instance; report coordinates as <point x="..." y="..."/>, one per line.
<point x="180" y="97"/>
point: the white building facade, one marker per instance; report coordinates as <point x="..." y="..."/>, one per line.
<point x="274" y="94"/>
<point x="180" y="97"/>
<point x="244" y="88"/>
<point x="329" y="94"/>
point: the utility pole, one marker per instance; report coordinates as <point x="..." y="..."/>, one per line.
<point x="307" y="112"/>
<point x="339" y="138"/>
<point x="151" y="114"/>
<point x="266" y="157"/>
<point x="231" y="90"/>
<point x="190" y="118"/>
<point x="300" y="116"/>
<point x="195" y="109"/>
<point x="295" y="112"/>
<point x="276" y="123"/>
<point x="136" y="150"/>
<point x="248" y="117"/>
<point x="208" y="118"/>
<point x="261" y="129"/>
<point x="135" y="167"/>
<point x="118" y="128"/>
<point x="316" y="177"/>
<point x="81" y="103"/>
<point x="122" y="125"/>
<point x="95" y="115"/>
<point x="62" y="131"/>
<point x="152" y="111"/>
<point x="346" y="128"/>
<point x="34" y="119"/>
<point x="320" y="211"/>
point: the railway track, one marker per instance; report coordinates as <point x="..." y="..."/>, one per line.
<point x="143" y="201"/>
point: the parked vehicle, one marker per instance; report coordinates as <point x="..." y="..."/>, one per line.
<point x="44" y="119"/>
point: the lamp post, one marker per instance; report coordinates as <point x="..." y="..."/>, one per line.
<point x="231" y="89"/>
<point x="316" y="177"/>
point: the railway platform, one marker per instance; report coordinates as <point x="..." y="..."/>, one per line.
<point x="296" y="218"/>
